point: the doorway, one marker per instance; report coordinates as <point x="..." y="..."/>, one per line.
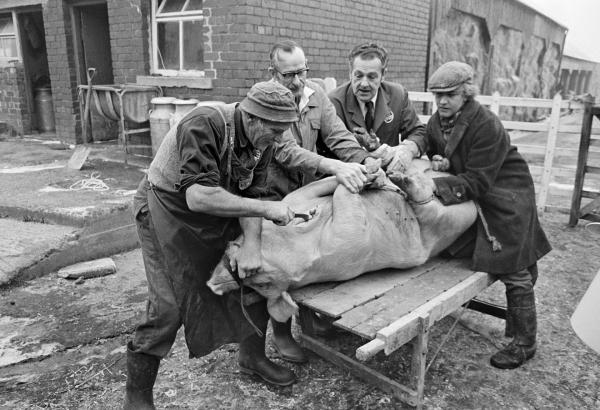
<point x="92" y="49"/>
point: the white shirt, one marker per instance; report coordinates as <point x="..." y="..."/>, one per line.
<point x="363" y="106"/>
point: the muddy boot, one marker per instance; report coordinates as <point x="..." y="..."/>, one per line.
<point x="252" y="360"/>
<point x="141" y="375"/>
<point x="285" y="345"/>
<point x="521" y="310"/>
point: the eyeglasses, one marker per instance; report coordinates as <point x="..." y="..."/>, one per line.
<point x="289" y="76"/>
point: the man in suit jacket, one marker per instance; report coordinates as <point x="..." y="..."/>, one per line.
<point x="393" y="116"/>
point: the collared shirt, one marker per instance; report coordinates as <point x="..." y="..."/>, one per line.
<point x="307" y="92"/>
<point x="447" y="125"/>
<point x="363" y="105"/>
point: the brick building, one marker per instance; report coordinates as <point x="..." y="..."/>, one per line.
<point x="138" y="41"/>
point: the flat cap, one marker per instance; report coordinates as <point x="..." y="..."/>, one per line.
<point x="450" y="76"/>
<point x="270" y="101"/>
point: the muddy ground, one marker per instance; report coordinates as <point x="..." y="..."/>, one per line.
<point x="563" y="375"/>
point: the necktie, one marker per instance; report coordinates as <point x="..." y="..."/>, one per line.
<point x="369" y="116"/>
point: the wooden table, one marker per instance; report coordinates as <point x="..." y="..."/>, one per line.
<point x="390" y="308"/>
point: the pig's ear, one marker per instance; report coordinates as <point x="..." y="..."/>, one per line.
<point x="282" y="307"/>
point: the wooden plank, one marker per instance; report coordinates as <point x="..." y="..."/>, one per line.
<point x="495" y="104"/>
<point x="404" y="329"/>
<point x="575" y="129"/>
<point x="591" y="207"/>
<point x="419" y="359"/>
<point x="582" y="157"/>
<point x="525" y="126"/>
<point x="310" y="291"/>
<point x="367" y="319"/>
<point x="549" y="155"/>
<point x="361" y="371"/>
<point x="347" y="295"/>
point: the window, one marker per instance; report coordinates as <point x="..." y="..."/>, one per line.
<point x="177" y="40"/>
<point x="8" y="38"/>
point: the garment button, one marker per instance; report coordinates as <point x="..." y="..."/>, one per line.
<point x="458" y="195"/>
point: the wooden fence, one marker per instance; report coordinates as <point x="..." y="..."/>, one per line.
<point x="553" y="169"/>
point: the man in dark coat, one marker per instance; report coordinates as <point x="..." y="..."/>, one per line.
<point x="372" y="107"/>
<point x="470" y="142"/>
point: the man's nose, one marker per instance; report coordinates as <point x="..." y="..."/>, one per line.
<point x="364" y="82"/>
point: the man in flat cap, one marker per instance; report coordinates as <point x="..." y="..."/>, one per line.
<point x="469" y="141"/>
<point x="202" y="188"/>
<point x="375" y="109"/>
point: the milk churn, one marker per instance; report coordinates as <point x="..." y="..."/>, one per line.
<point x="160" y="116"/>
<point x="182" y="107"/>
<point x="44" y="109"/>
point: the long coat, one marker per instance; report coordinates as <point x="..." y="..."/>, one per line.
<point x="488" y="169"/>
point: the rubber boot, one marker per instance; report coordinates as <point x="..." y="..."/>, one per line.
<point x="285" y="345"/>
<point x="252" y="360"/>
<point x="521" y="310"/>
<point x="141" y="375"/>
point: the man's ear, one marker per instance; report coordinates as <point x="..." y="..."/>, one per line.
<point x="271" y="71"/>
<point x="383" y="73"/>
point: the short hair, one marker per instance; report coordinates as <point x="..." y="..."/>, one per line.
<point x="284" y="45"/>
<point x="469" y="90"/>
<point x="369" y="51"/>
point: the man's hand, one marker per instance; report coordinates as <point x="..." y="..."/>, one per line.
<point x="439" y="163"/>
<point x="351" y="175"/>
<point x="403" y="156"/>
<point x="248" y="259"/>
<point x="367" y="140"/>
<point x="278" y="212"/>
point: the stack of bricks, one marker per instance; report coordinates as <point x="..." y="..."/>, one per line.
<point x="14" y="111"/>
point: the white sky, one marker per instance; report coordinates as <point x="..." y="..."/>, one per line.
<point x="581" y="17"/>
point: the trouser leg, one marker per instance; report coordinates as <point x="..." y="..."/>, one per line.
<point x="155" y="336"/>
<point x="521" y="318"/>
<point x="285" y="344"/>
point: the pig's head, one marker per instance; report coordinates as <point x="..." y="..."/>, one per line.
<point x="418" y="185"/>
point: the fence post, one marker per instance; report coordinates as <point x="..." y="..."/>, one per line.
<point x="549" y="154"/>
<point x="495" y="105"/>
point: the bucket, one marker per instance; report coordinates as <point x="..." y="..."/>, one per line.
<point x="160" y="117"/>
<point x="182" y="107"/>
<point x="44" y="109"/>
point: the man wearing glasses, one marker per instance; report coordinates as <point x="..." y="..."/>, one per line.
<point x="318" y="123"/>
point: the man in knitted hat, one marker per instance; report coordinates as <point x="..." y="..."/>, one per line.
<point x="201" y="189"/>
<point x="469" y="142"/>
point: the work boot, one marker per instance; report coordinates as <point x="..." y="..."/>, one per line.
<point x="141" y="375"/>
<point x="521" y="310"/>
<point x="321" y="326"/>
<point x="252" y="360"/>
<point x="285" y="345"/>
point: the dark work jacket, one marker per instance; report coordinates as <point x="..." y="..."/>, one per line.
<point x="395" y="116"/>
<point x="488" y="169"/>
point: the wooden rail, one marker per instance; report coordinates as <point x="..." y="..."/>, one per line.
<point x="554" y="175"/>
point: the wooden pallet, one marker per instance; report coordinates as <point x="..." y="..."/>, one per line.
<point x="390" y="308"/>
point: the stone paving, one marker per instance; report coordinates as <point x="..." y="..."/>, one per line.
<point x="23" y="243"/>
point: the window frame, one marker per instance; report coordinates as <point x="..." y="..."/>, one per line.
<point x="13" y="16"/>
<point x="170" y="17"/>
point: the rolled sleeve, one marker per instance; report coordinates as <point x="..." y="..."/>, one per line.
<point x="198" y="153"/>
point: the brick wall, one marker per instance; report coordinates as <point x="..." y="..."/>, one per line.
<point x="129" y="38"/>
<point x="14" y="110"/>
<point x="61" y="63"/>
<point x="239" y="34"/>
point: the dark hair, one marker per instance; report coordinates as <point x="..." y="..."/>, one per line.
<point x="284" y="45"/>
<point x="369" y="51"/>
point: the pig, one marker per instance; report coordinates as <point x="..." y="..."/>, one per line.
<point x="400" y="224"/>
